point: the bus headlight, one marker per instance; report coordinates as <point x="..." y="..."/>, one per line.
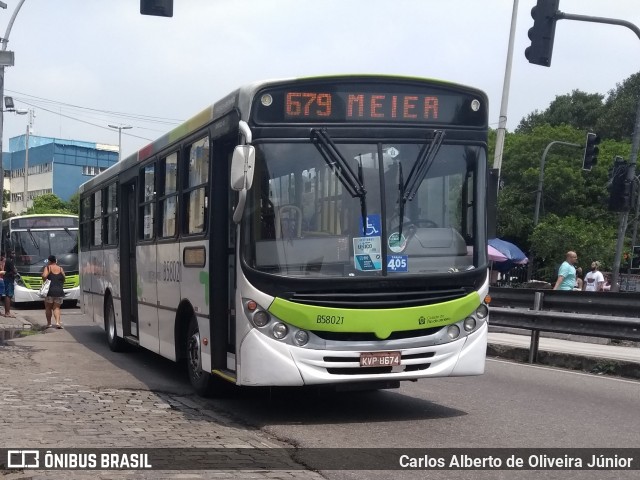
<point x="301" y="338"/>
<point x="260" y="318"/>
<point x="279" y="331"/>
<point x="453" y="331"/>
<point x="469" y="324"/>
<point x="482" y="311"/>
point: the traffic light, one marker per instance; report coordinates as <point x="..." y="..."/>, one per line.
<point x="591" y="151"/>
<point x="542" y="32"/>
<point x="620" y="186"/>
<point x="159" y="8"/>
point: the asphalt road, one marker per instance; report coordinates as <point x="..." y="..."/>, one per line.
<point x="512" y="405"/>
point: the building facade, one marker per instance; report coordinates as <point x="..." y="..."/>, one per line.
<point x="53" y="165"/>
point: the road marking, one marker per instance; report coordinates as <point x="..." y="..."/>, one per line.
<point x="558" y="369"/>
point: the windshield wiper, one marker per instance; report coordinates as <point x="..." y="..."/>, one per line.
<point x="353" y="184"/>
<point x="420" y="169"/>
<point x="33" y="239"/>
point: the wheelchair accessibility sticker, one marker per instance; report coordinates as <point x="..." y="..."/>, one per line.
<point x="373" y="228"/>
<point x="367" y="253"/>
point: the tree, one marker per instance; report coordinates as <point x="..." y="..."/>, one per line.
<point x="567" y="192"/>
<point x="579" y="110"/>
<point x="48" y="203"/>
<point x="73" y="205"/>
<point x="618" y="115"/>
<point x="554" y="237"/>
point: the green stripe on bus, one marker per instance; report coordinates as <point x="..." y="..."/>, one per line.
<point x="381" y="322"/>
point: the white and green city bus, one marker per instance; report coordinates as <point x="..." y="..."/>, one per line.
<point x="31" y="239"/>
<point x="311" y="231"/>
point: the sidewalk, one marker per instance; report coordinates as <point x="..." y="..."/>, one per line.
<point x="577" y="355"/>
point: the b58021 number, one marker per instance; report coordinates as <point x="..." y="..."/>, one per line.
<point x="330" y="319"/>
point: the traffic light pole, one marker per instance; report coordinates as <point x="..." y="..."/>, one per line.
<point x="536" y="213"/>
<point x="635" y="143"/>
<point x="624" y="216"/>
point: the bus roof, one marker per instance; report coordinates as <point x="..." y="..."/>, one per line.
<point x="240" y="99"/>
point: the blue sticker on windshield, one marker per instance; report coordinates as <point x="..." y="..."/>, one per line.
<point x="397" y="263"/>
<point x="373" y="226"/>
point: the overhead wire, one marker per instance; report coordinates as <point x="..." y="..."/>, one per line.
<point x="108" y="115"/>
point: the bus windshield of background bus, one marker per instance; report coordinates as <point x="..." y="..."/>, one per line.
<point x="34" y="246"/>
<point x="303" y="221"/>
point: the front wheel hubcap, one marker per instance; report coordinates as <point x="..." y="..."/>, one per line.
<point x="193" y="352"/>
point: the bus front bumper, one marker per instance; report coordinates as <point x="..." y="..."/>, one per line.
<point x="265" y="361"/>
<point x="22" y="294"/>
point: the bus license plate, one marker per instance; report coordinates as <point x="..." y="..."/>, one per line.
<point x="379" y="359"/>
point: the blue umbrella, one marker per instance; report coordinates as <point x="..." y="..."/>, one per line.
<point x="509" y="250"/>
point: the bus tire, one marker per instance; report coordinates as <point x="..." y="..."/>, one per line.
<point x="204" y="383"/>
<point x="116" y="344"/>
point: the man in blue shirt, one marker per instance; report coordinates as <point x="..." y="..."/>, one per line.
<point x="567" y="273"/>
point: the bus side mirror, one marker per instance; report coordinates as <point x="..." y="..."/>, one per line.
<point x="242" y="165"/>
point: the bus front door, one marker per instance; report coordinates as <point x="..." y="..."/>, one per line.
<point x="128" y="279"/>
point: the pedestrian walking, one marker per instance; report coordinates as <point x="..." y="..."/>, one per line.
<point x="594" y="280"/>
<point x="567" y="272"/>
<point x="55" y="296"/>
<point x="9" y="278"/>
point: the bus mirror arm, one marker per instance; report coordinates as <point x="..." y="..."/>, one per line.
<point x="237" y="213"/>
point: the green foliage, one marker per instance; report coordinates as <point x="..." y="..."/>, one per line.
<point x="618" y="117"/>
<point x="573" y="208"/>
<point x="73" y="205"/>
<point x="48" y="203"/>
<point x="553" y="238"/>
<point x="579" y="109"/>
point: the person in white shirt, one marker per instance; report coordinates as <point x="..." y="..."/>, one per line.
<point x="594" y="280"/>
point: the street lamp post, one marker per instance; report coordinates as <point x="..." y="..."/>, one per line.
<point x="25" y="200"/>
<point x="536" y="214"/>
<point x="120" y="128"/>
<point x="5" y="61"/>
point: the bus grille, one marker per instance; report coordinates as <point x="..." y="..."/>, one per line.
<point x="377" y="298"/>
<point x="371" y="337"/>
<point x="408" y="363"/>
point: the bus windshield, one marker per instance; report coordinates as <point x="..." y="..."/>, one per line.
<point x="34" y="246"/>
<point x="391" y="216"/>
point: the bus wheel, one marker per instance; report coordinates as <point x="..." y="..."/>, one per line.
<point x="116" y="344"/>
<point x="203" y="382"/>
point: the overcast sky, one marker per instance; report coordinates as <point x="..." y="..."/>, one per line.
<point x="77" y="60"/>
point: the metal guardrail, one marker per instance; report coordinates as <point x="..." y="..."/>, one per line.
<point x="593" y="314"/>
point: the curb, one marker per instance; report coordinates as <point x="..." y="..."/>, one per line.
<point x="599" y="366"/>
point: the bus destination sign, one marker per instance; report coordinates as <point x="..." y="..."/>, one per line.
<point x="370" y="103"/>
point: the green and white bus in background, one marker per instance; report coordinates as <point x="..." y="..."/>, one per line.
<point x="314" y="231"/>
<point x="31" y="239"/>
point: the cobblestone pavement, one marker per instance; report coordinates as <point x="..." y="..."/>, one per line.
<point x="43" y="407"/>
